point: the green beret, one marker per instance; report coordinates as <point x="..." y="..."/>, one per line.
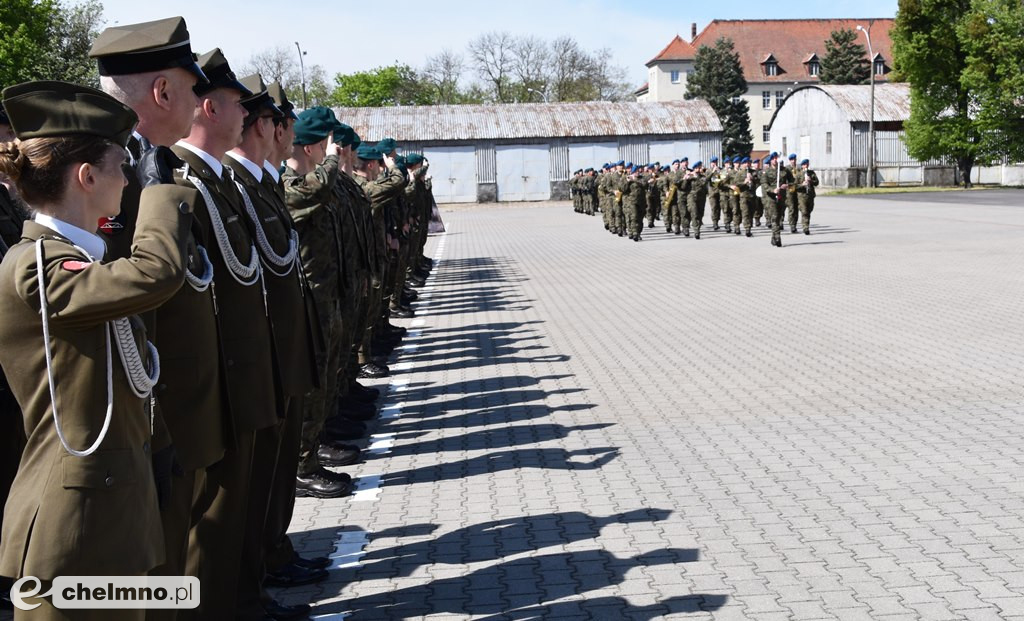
<point x="356" y="140"/>
<point x="145" y="47"/>
<point x="387" y="145"/>
<point x="49" y="109"/>
<point x="219" y="74"/>
<point x="312" y="127"/>
<point x="414" y="158"/>
<point x="369" y="152"/>
<point x="343" y="134"/>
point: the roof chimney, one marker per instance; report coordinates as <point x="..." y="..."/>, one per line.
<point x="693" y="32"/>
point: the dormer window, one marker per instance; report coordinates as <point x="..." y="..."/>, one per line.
<point x="771" y="66"/>
<point x="878" y="65"/>
<point x="813" y="65"/>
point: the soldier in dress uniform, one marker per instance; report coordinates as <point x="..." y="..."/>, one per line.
<point x="85" y="495"/>
<point x="12" y="216"/>
<point x="277" y="244"/>
<point x="150" y="67"/>
<point x="775" y="183"/>
<point x="255" y="400"/>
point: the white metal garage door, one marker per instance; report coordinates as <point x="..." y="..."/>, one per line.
<point x="454" y="172"/>
<point x="592" y="155"/>
<point x="524" y="173"/>
<point x="665" y="151"/>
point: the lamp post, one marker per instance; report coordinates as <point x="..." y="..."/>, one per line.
<point x="871" y="122"/>
<point x="541" y="93"/>
<point x="302" y="72"/>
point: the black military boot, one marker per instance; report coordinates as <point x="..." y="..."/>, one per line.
<point x="749" y="233"/>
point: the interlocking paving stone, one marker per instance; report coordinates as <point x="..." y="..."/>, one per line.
<point x="599" y="429"/>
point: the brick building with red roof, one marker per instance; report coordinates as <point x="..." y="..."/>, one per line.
<point x="778" y="55"/>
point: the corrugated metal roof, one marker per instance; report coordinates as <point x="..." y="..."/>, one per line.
<point x="517" y="121"/>
<point x="892" y="101"/>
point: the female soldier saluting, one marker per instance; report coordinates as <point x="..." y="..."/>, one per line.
<point x="83" y="502"/>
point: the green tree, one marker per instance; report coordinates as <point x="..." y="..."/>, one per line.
<point x="72" y="32"/>
<point x="25" y="29"/>
<point x="929" y="53"/>
<point x="993" y="36"/>
<point x="845" y="61"/>
<point x="718" y="79"/>
<point x="395" y="85"/>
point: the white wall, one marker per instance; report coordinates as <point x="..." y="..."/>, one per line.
<point x="659" y="81"/>
<point x="812" y="113"/>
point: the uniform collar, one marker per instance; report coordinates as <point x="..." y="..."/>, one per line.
<point x="276" y="176"/>
<point x="92" y="244"/>
<point x="254" y="170"/>
<point x="215" y="166"/>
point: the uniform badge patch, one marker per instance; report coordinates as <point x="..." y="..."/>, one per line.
<point x="75" y="266"/>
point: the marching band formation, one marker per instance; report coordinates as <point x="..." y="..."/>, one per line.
<point x="740" y="191"/>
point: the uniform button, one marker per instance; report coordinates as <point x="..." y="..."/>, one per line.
<point x="184" y="207"/>
<point x="109" y="481"/>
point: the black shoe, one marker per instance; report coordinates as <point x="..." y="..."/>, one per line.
<point x="402" y="313"/>
<point x="292" y="575"/>
<point x="749" y="234"/>
<point x="337" y="477"/>
<point x="792" y="229"/>
<point x="399" y="330"/>
<point x="696" y="235"/>
<point x="316" y="562"/>
<point x="337" y="454"/>
<point x="686" y="233"/>
<point x="417" y="280"/>
<point x="356" y="410"/>
<point x="341" y="430"/>
<point x="716" y="227"/>
<point x="280" y="612"/>
<point x="319" y="486"/>
<point x="373" y="371"/>
<point x="806" y="231"/>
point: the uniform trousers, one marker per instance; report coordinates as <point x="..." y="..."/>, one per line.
<point x="695" y="207"/>
<point x="793" y="204"/>
<point x="806" y="205"/>
<point x="716" y="208"/>
<point x="278" y="546"/>
<point x="318" y="403"/>
<point x="176" y="519"/>
<point x="219" y="512"/>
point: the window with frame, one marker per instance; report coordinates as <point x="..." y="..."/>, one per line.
<point x="779" y="97"/>
<point x="879" y="66"/>
<point x="771" y="68"/>
<point x="674" y="75"/>
<point x="828" y="143"/>
<point x="766" y="100"/>
<point x="766" y="136"/>
<point x="814" y="69"/>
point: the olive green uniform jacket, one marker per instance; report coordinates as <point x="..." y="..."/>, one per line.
<point x="93" y="515"/>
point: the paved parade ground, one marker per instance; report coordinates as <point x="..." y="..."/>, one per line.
<point x="583" y="427"/>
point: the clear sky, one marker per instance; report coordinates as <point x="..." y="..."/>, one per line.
<point x="347" y="36"/>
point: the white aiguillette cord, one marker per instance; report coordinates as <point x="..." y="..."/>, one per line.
<point x="270" y="257"/>
<point x="140" y="382"/>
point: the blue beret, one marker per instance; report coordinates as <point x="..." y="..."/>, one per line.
<point x="773" y="154"/>
<point x="629" y="164"/>
<point x="684" y="159"/>
<point x="745" y="160"/>
<point x="792" y="156"/>
<point x="767" y="159"/>
<point x="698" y="164"/>
<point x="805" y="161"/>
<point x="620" y="163"/>
<point x="714" y="159"/>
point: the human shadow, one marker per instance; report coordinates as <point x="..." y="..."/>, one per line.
<point x="500" y="461"/>
<point x="481" y="400"/>
<point x="515" y="584"/>
<point x="614" y="609"/>
<point x="489" y="541"/>
<point x="481" y="418"/>
<point x="503" y="437"/>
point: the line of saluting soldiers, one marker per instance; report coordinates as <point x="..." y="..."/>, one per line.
<point x="260" y="252"/>
<point x="740" y="192"/>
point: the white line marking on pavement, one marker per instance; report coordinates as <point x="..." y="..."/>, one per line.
<point x="381" y="443"/>
<point x="367" y="488"/>
<point x="391" y="411"/>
